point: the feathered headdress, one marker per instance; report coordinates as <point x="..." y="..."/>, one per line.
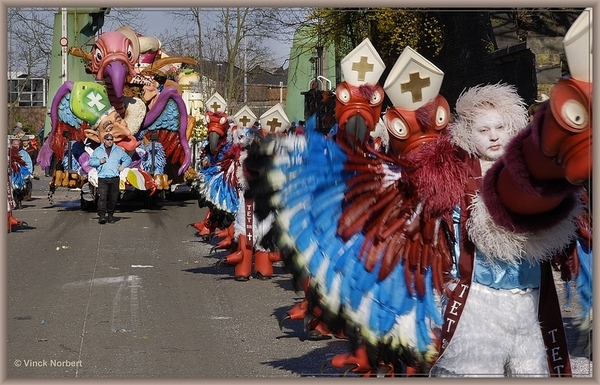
<point x="475" y="102"/>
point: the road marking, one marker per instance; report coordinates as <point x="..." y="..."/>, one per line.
<point x="120" y="322"/>
<point x="100" y="281"/>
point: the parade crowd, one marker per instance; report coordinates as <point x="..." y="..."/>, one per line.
<point x="426" y="236"/>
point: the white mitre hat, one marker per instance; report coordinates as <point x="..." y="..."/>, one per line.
<point x="413" y="81"/>
<point x="578" y="47"/>
<point x="216" y="103"/>
<point x="362" y="65"/>
<point x="244" y="117"/>
<point x="275" y="119"/>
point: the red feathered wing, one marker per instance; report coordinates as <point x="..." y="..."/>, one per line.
<point x="404" y="208"/>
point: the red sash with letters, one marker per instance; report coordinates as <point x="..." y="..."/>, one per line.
<point x="249" y="212"/>
<point x="458" y="297"/>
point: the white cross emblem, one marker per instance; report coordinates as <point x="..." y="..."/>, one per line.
<point x="95" y="101"/>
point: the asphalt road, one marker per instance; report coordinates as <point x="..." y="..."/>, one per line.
<point x="142" y="298"/>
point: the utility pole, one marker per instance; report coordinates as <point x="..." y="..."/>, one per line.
<point x="245" y="72"/>
<point x="317" y="88"/>
<point x="219" y="65"/>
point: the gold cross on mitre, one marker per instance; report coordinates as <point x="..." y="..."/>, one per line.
<point x="362" y="65"/>
<point x="273" y="124"/>
<point x="215" y="106"/>
<point x="275" y="119"/>
<point x="413" y="81"/>
<point x="415" y="86"/>
<point x="245" y="120"/>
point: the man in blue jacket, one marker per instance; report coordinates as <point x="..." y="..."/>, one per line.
<point x="109" y="160"/>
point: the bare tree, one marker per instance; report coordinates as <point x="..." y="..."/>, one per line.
<point x="30" y="40"/>
<point x="280" y="23"/>
<point x="29" y="51"/>
<point x="193" y="18"/>
<point x="229" y="42"/>
<point x="30" y="34"/>
<point x="131" y="17"/>
<point x="235" y="38"/>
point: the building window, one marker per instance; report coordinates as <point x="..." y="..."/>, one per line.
<point x="28" y="92"/>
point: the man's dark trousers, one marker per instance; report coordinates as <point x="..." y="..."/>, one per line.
<point x="108" y="194"/>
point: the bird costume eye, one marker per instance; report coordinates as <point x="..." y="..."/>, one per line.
<point x="343" y="95"/>
<point x="223" y="120"/>
<point x="575" y="114"/>
<point x="442" y="113"/>
<point x="376" y="98"/>
<point x="571" y="105"/>
<point x="441" y="117"/>
<point x="399" y="129"/>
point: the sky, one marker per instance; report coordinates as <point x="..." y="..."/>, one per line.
<point x="158" y="21"/>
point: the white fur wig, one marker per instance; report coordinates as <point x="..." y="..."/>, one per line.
<point x="475" y="102"/>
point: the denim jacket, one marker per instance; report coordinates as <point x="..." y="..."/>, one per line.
<point x="110" y="169"/>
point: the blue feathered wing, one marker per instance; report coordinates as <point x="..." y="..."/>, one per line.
<point x="218" y="184"/>
<point x="339" y="217"/>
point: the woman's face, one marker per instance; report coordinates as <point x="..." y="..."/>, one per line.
<point x="490" y="135"/>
